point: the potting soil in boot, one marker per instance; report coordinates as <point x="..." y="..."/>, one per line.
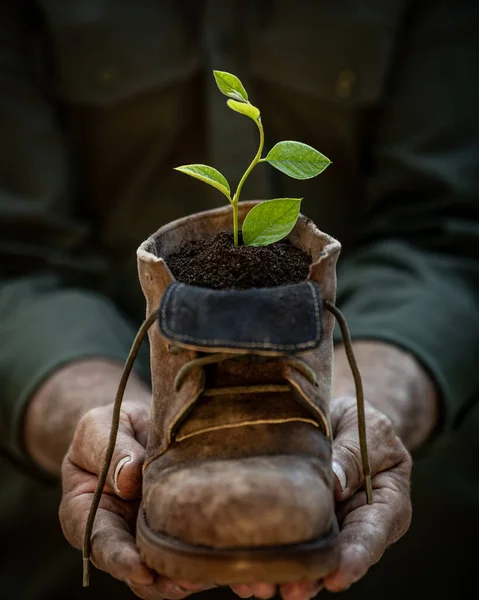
<point x="217" y="263"/>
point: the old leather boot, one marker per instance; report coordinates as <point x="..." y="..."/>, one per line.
<point x="238" y="485"/>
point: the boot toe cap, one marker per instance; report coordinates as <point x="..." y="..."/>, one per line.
<point x="242" y="503"/>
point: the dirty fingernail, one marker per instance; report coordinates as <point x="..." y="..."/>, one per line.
<point x="340" y="474"/>
<point x="121" y="463"/>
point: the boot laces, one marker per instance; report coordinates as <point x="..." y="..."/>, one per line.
<point x="201" y="362"/>
<point x="180" y="378"/>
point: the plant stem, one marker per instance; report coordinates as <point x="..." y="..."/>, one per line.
<point x="254" y="162"/>
<point x="235" y="222"/>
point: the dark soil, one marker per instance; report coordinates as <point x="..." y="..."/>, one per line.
<point x="217" y="263"/>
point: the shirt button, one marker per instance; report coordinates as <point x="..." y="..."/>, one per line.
<point x="345" y="83"/>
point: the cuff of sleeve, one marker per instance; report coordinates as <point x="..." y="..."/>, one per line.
<point x="413" y="335"/>
<point x="423" y="303"/>
<point x="59" y="328"/>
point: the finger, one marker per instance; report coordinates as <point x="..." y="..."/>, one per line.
<point x="113" y="550"/>
<point x="368" y="530"/>
<point x="78" y="489"/>
<point x="140" y="420"/>
<point x="259" y="590"/>
<point x="164" y="588"/>
<point x="304" y="590"/>
<point x="90" y="445"/>
<point x="113" y="547"/>
<point x="263" y="590"/>
<point x="385" y="450"/>
<point x="289" y="591"/>
<point x="242" y="590"/>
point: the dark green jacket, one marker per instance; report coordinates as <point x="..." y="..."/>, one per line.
<point x="99" y="100"/>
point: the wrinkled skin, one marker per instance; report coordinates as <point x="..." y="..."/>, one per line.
<point x="366" y="530"/>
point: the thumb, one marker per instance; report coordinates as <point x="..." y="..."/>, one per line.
<point x="125" y="473"/>
<point x="89" y="448"/>
<point x="346" y="459"/>
<point x="385" y="450"/>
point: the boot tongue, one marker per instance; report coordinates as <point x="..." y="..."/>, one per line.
<point x="269" y="321"/>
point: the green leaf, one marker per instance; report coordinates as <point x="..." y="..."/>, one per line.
<point x="270" y="221"/>
<point x="231" y="86"/>
<point x="245" y="109"/>
<point x="297" y="160"/>
<point x="208" y="175"/>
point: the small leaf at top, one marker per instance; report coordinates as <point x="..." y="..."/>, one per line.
<point x="270" y="221"/>
<point x="231" y="86"/>
<point x="297" y="160"/>
<point x="208" y="175"/>
<point x="245" y="109"/>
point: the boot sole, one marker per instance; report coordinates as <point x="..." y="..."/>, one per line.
<point x="277" y="564"/>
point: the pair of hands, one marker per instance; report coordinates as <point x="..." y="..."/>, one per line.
<point x="366" y="530"/>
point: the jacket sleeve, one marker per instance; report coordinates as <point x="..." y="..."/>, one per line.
<point x="413" y="278"/>
<point x="49" y="314"/>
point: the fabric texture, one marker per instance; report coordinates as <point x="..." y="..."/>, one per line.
<point x="92" y="122"/>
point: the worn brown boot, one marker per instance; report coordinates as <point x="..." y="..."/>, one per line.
<point x="238" y="485"/>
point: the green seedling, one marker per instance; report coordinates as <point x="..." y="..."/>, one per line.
<point x="271" y="220"/>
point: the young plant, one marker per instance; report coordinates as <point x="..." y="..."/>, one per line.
<point x="271" y="220"/>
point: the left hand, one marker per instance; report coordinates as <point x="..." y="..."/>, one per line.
<point x="366" y="530"/>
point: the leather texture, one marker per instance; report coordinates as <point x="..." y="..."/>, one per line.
<point x="230" y="456"/>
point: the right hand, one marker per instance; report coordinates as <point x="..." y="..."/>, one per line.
<point x="113" y="543"/>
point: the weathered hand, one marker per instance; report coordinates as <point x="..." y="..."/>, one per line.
<point x="113" y="544"/>
<point x="366" y="530"/>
